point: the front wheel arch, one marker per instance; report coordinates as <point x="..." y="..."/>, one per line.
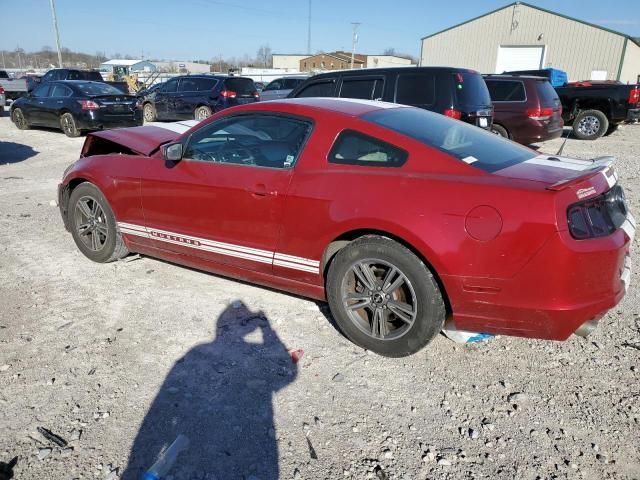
<point x="346" y="238"/>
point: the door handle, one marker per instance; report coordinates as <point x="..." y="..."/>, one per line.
<point x="260" y="190"/>
<point x="60" y="101"/>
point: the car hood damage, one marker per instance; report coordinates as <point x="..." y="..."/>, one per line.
<point x="137" y="140"/>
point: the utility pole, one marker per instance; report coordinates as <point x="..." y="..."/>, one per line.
<point x="309" y="31"/>
<point x="4" y="65"/>
<point x="354" y="41"/>
<point x="55" y="28"/>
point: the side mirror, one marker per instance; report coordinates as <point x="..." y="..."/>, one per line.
<point x="172" y="152"/>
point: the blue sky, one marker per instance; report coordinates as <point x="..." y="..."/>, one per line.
<point x="205" y="29"/>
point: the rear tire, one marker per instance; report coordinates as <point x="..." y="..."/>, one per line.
<point x="590" y="125"/>
<point x="68" y="125"/>
<point x="150" y="114"/>
<point x="93" y="225"/>
<point x="383" y="297"/>
<point x="202" y="112"/>
<point x="500" y="130"/>
<point x="18" y="118"/>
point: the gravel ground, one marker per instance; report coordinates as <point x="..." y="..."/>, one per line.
<point x="119" y="359"/>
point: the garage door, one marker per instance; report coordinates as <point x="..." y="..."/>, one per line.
<point x="519" y="58"/>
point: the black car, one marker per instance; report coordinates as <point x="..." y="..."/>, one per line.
<point x="76" y="105"/>
<point x="455" y="92"/>
<point x="197" y="96"/>
<point x="59" y="74"/>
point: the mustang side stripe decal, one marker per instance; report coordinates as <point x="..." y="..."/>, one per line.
<point x="237" y="251"/>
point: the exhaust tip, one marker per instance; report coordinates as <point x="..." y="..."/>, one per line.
<point x="586" y="328"/>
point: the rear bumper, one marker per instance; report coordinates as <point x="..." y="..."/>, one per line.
<point x="633" y="115"/>
<point x="93" y="120"/>
<point x="566" y="284"/>
<point x="535" y="131"/>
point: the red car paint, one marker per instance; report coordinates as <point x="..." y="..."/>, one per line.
<point x="498" y="242"/>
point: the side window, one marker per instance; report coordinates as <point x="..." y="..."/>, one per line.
<point x="170" y="86"/>
<point x="506" y="91"/>
<point x="319" y="89"/>
<point x="41" y="91"/>
<point x="353" y="148"/>
<point x="205" y="84"/>
<point x="275" y="85"/>
<point x="290" y="83"/>
<point x="253" y="140"/>
<point x="76" y="75"/>
<point x="47" y="77"/>
<point x="416" y="89"/>
<point x="358" y="88"/>
<point x="59" y="75"/>
<point x="60" y="91"/>
<point x="188" y="85"/>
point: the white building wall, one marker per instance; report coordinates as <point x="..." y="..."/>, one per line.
<point x="379" y="61"/>
<point x="631" y="64"/>
<point x="569" y="45"/>
<point x="287" y="62"/>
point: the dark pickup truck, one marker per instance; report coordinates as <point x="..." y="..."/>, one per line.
<point x="74" y="74"/>
<point x="595" y="108"/>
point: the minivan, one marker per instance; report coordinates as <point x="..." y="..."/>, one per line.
<point x="197" y="96"/>
<point x="455" y="92"/>
<point x="526" y="109"/>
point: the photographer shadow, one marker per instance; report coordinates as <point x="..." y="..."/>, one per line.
<point x="219" y="395"/>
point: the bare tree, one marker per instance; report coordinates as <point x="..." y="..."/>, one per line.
<point x="264" y="56"/>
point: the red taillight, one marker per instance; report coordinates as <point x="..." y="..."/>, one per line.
<point x="540" y="113"/>
<point x="634" y="96"/>
<point x="256" y="94"/>
<point x="453" y="113"/>
<point x="88" y="105"/>
<point x="1" y="90"/>
<point x="228" y="94"/>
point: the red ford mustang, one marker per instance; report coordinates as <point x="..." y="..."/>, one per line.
<point x="396" y="216"/>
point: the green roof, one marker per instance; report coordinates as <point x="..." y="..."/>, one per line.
<point x="635" y="40"/>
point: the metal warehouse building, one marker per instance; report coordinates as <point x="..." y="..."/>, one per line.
<point x="520" y="36"/>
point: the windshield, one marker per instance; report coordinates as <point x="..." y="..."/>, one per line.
<point x="98" y="89"/>
<point x="465" y="142"/>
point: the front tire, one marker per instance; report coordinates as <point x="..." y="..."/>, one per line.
<point x="68" y="125"/>
<point x="383" y="297"/>
<point x="590" y="125"/>
<point x="202" y="112"/>
<point x="93" y="225"/>
<point x="149" y="112"/>
<point x="18" y="118"/>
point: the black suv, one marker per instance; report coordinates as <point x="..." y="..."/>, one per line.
<point x="455" y="92"/>
<point x="197" y="96"/>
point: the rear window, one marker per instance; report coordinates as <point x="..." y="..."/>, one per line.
<point x="417" y="89"/>
<point x="320" y="89"/>
<point x="547" y="94"/>
<point x="468" y="143"/>
<point x="242" y="86"/>
<point x="471" y="89"/>
<point x="506" y="90"/>
<point x="98" y="89"/>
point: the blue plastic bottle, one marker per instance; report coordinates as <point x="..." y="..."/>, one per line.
<point x="167" y="459"/>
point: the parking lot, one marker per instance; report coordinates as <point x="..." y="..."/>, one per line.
<point x="104" y="355"/>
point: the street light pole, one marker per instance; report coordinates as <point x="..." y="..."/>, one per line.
<point x="354" y="40"/>
<point x="55" y="28"/>
<point x="309" y="31"/>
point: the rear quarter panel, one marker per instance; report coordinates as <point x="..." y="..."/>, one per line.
<point x="424" y="204"/>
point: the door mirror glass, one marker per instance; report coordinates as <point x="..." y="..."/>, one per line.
<point x="172" y="152"/>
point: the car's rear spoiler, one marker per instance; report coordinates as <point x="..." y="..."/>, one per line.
<point x="601" y="166"/>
